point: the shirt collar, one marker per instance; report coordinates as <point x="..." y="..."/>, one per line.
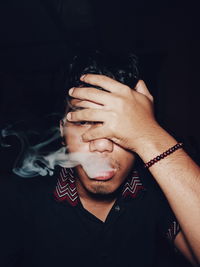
<point x="66" y="187"/>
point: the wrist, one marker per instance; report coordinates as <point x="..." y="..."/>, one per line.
<point x="153" y="143"/>
<point x="163" y="155"/>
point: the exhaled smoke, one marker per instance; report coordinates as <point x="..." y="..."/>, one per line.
<point x="33" y="161"/>
<point x="93" y="164"/>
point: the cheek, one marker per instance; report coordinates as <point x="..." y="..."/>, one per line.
<point x="74" y="141"/>
<point x="126" y="158"/>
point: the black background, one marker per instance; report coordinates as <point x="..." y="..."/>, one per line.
<point x="38" y="37"/>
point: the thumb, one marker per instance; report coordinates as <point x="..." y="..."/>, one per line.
<point x="94" y="133"/>
<point x="142" y="89"/>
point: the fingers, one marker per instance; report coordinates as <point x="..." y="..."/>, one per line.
<point x="90" y="94"/>
<point x="84" y="104"/>
<point x="95" y="132"/>
<point x="104" y="82"/>
<point x="94" y="115"/>
<point x="142" y="89"/>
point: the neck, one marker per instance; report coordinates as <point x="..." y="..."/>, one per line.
<point x="94" y="197"/>
<point x="97" y="204"/>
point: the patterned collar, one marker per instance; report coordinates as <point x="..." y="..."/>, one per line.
<point x="66" y="187"/>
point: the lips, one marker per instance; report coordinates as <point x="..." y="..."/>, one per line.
<point x="104" y="176"/>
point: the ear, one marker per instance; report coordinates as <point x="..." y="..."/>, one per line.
<point x="62" y="132"/>
<point x="61" y="128"/>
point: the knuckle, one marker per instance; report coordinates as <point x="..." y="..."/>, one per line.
<point x="123" y="89"/>
<point x="119" y="102"/>
<point x="151" y="98"/>
<point x="114" y="116"/>
<point x="126" y="88"/>
<point x="141" y="82"/>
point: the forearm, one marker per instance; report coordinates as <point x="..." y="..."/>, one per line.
<point x="179" y="178"/>
<point x="128" y="121"/>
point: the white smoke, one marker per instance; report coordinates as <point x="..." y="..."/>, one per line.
<point x="32" y="161"/>
<point x="93" y="164"/>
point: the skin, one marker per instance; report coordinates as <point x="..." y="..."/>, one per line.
<point x="127" y="119"/>
<point x="121" y="159"/>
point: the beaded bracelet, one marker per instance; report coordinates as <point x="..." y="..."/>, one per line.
<point x="163" y="155"/>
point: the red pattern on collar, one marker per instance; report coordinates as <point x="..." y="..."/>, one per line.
<point x="66" y="187"/>
<point x="133" y="186"/>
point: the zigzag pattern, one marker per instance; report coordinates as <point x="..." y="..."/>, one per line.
<point x="173" y="230"/>
<point x="66" y="188"/>
<point x="132" y="186"/>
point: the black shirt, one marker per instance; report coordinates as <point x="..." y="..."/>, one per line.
<point x="43" y="224"/>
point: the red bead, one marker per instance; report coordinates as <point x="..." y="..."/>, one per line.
<point x="163" y="155"/>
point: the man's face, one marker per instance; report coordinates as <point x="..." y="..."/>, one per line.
<point x="121" y="159"/>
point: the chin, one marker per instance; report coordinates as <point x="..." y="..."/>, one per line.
<point x="102" y="188"/>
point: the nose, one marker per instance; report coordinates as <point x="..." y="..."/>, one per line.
<point x="101" y="145"/>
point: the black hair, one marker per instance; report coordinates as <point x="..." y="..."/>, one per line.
<point x="121" y="68"/>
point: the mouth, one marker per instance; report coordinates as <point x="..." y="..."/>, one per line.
<point x="104" y="176"/>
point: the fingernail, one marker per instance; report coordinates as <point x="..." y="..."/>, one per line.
<point x="69" y="116"/>
<point x="71" y="91"/>
<point x="82" y="77"/>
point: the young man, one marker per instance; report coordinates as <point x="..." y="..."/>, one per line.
<point x="120" y="217"/>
